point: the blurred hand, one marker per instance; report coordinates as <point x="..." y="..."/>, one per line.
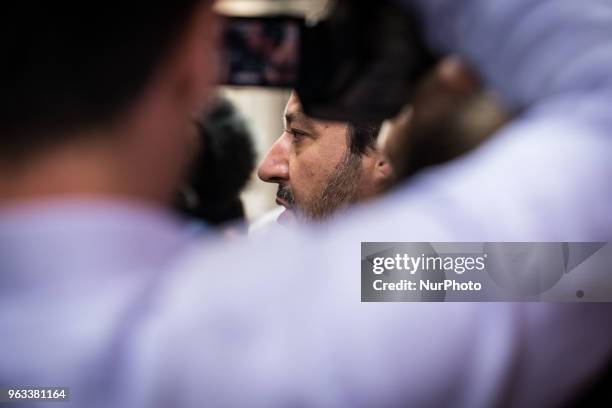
<point x="451" y="114"/>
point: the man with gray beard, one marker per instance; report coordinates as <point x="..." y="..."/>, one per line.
<point x="322" y="167"/>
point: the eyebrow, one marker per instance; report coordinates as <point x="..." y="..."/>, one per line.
<point x="299" y="116"/>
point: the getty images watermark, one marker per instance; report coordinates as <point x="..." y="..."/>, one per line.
<point x="413" y="264"/>
<point x="517" y="271"/>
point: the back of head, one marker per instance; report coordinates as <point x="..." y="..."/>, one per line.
<point x="69" y="66"/>
<point x="221" y="168"/>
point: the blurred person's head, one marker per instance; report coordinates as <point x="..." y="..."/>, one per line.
<point x="322" y="167"/>
<point x="100" y="100"/>
<point x="221" y="167"/>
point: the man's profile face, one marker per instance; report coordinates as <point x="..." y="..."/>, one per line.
<point x="312" y="164"/>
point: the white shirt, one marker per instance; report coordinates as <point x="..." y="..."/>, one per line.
<point x="267" y="223"/>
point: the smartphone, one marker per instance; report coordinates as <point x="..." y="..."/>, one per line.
<point x="360" y="64"/>
<point x="261" y="51"/>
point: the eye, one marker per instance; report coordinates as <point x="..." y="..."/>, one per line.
<point x="297" y="135"/>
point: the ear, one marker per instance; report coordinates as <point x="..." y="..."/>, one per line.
<point x="192" y="66"/>
<point x="182" y="84"/>
<point x="378" y="168"/>
<point x="159" y="129"/>
<point x="383" y="169"/>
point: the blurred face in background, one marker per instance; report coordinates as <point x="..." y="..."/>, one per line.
<point x="316" y="172"/>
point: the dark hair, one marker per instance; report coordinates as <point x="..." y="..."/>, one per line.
<point x="361" y="136"/>
<point x="73" y="65"/>
<point x="222" y="168"/>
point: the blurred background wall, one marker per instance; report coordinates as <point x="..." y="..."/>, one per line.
<point x="263" y="107"/>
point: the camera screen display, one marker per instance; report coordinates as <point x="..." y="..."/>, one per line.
<point x="261" y="51"/>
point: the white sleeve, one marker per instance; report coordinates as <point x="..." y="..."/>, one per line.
<point x="529" y="50"/>
<point x="281" y="324"/>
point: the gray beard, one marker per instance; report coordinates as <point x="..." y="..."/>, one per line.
<point x="341" y="190"/>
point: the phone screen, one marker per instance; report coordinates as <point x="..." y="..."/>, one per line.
<point x="261" y="51"/>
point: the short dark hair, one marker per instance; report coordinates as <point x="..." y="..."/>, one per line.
<point x="73" y="65"/>
<point x="361" y="136"/>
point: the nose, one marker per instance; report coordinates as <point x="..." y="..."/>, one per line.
<point x="275" y="166"/>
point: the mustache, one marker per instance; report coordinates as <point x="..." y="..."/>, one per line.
<point x="285" y="194"/>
